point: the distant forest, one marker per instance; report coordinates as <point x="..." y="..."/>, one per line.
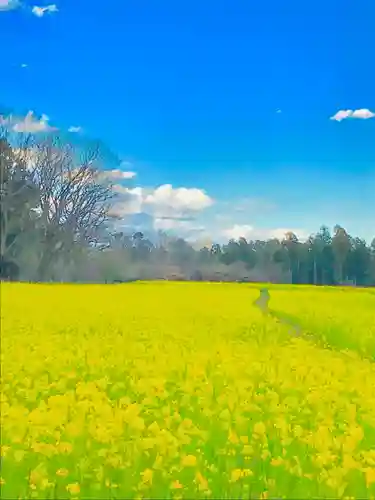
<point x="57" y="225"/>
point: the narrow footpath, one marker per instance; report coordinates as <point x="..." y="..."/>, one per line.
<point x="294" y="328"/>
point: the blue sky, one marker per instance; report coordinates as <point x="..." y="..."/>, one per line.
<point x="231" y="98"/>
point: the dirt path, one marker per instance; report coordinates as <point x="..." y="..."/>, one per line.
<point x="294" y="328"/>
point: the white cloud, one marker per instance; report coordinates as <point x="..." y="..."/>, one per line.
<point x="131" y="201"/>
<point x="40" y="11"/>
<point x="178" y="200"/>
<point x="27" y="124"/>
<point x="251" y="233"/>
<point x="362" y="114"/>
<point x="74" y="130"/>
<point x="162" y="202"/>
<point x="118" y="174"/>
<point x="341" y="115"/>
<point x="238" y="231"/>
<point x="23" y="65"/>
<point x="8" y="5"/>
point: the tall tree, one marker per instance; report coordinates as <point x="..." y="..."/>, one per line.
<point x="74" y="198"/>
<point x="18" y="196"/>
<point x="359" y="262"/>
<point x="292" y="245"/>
<point x="341" y="248"/>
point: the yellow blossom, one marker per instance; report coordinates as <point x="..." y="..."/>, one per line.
<point x="201" y="480"/>
<point x="176" y="485"/>
<point x="189" y="461"/>
<point x="129" y="392"/>
<point x="62" y="472"/>
<point x="277" y="461"/>
<point x="370" y="476"/>
<point x="73" y="488"/>
<point x="232" y="437"/>
<point x="147" y="476"/>
<point x="236" y="474"/>
<point x="65" y="447"/>
<point x="4" y="449"/>
<point x="259" y="428"/>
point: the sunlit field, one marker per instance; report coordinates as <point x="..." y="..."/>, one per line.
<point x="342" y="318"/>
<point x="184" y="390"/>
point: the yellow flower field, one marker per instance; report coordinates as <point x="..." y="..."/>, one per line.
<point x="345" y="318"/>
<point x="183" y="390"/>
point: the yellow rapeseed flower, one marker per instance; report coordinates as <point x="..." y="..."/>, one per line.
<point x="127" y="405"/>
<point x="74" y="428"/>
<point x="370" y="476"/>
<point x="38" y="474"/>
<point x="247" y="450"/>
<point x="202" y="481"/>
<point x="154" y="428"/>
<point x="4" y="449"/>
<point x="276" y="462"/>
<point x="65" y="448"/>
<point x="176" y="485"/>
<point x="232" y="437"/>
<point x="236" y="474"/>
<point x="189" y="461"/>
<point x="137" y="423"/>
<point x="147" y="476"/>
<point x="62" y="472"/>
<point x="73" y="488"/>
<point x="259" y="428"/>
<point x="247" y="473"/>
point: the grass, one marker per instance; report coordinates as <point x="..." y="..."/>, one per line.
<point x="183" y="390"/>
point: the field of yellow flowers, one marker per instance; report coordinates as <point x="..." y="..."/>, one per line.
<point x="185" y="390"/>
<point x="341" y="318"/>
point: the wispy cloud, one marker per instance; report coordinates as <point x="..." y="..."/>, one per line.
<point x="23" y="65"/>
<point x="8" y="5"/>
<point x="74" y="130"/>
<point x="118" y="175"/>
<point x="361" y="114"/>
<point x="179" y="225"/>
<point x="40" y="11"/>
<point x="252" y="233"/>
<point x="28" y="124"/>
<point x="251" y="205"/>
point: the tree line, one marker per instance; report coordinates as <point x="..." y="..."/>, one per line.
<point x="57" y="225"/>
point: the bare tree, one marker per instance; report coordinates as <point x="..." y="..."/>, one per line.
<point x="75" y="198"/>
<point x="73" y="194"/>
<point x="18" y="195"/>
